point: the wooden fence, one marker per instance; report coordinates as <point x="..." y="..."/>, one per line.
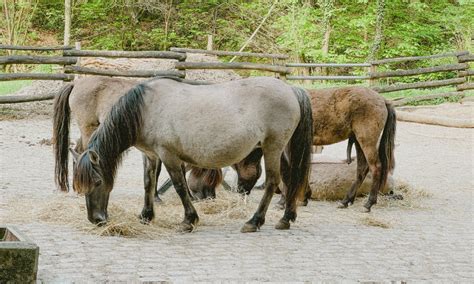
<point x="70" y="57"/>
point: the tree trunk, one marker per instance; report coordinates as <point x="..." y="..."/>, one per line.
<point x="328" y="8"/>
<point x="378" y="38"/>
<point x="67" y="21"/>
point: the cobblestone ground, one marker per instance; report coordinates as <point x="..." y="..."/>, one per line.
<point x="429" y="242"/>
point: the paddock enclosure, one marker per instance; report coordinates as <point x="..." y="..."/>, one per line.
<point x="427" y="235"/>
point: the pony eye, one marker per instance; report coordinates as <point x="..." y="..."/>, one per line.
<point x="98" y="183"/>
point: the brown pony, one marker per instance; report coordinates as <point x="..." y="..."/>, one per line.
<point x="355" y="113"/>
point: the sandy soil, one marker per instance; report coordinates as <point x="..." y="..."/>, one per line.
<point x="428" y="238"/>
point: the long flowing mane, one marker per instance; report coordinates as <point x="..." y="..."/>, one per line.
<point x="118" y="133"/>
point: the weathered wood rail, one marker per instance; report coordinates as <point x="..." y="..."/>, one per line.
<point x="461" y="82"/>
<point x="230" y="53"/>
<point x="69" y="60"/>
<point x="113" y="73"/>
<point x="34" y="48"/>
<point x="126" y="54"/>
<point x="232" y="65"/>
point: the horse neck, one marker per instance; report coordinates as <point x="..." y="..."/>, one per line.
<point x="119" y="131"/>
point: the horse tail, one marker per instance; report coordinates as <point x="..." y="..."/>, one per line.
<point x="61" y="122"/>
<point x="387" y="144"/>
<point x="299" y="153"/>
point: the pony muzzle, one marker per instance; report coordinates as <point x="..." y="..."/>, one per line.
<point x="97" y="209"/>
<point x="98" y="218"/>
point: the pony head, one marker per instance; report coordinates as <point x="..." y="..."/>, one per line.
<point x="89" y="180"/>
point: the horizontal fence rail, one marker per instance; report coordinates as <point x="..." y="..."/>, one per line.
<point x="335" y="65"/>
<point x="419" y="71"/>
<point x="35" y="48"/>
<point x="419" y="85"/>
<point x="232" y="65"/>
<point x="465" y="86"/>
<point x="416" y="58"/>
<point x="466" y="73"/>
<point x="466" y="58"/>
<point x="35" y="76"/>
<point x="27" y="59"/>
<point x="126" y="54"/>
<point x="24" y="99"/>
<point x="230" y="53"/>
<point x="130" y="73"/>
<point x="405" y="101"/>
<point x="334" y="78"/>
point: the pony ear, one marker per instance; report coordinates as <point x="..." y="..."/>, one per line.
<point x="94" y="157"/>
<point x="74" y="154"/>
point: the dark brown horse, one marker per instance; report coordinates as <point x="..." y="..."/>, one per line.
<point x="358" y="114"/>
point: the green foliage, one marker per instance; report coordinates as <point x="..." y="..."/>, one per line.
<point x="8" y="87"/>
<point x="296" y="27"/>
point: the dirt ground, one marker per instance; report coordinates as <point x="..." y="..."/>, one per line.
<point x="428" y="236"/>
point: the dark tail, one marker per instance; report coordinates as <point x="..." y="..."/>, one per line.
<point x="299" y="152"/>
<point x="387" y="144"/>
<point x="61" y="121"/>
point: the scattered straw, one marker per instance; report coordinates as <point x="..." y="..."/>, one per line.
<point x="227" y="208"/>
<point x="413" y="197"/>
<point x="371" y="221"/>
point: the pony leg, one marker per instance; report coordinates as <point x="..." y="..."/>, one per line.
<point x="150" y="178"/>
<point x="375" y="167"/>
<point x="272" y="179"/>
<point x="285" y="176"/>
<point x="362" y="170"/>
<point x="149" y="164"/>
<point x="179" y="182"/>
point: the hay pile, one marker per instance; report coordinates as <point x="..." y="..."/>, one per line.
<point x="228" y="208"/>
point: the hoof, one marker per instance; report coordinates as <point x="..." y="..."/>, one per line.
<point x="146" y="216"/>
<point x="365" y="210"/>
<point x="282" y="225"/>
<point x="186" y="227"/>
<point x="145" y="221"/>
<point x="342" y="205"/>
<point x="248" y="228"/>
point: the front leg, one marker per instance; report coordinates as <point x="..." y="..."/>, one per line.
<point x="151" y="166"/>
<point x="176" y="173"/>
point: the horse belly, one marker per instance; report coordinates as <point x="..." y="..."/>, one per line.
<point x="217" y="151"/>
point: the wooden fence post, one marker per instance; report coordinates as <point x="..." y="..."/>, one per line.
<point x="372" y="70"/>
<point x="209" y="42"/>
<point x="460" y="73"/>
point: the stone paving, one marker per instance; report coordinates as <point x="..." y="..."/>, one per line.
<point x="430" y="242"/>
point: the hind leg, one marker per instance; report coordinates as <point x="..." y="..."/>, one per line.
<point x="375" y="167"/>
<point x="362" y="170"/>
<point x="272" y="179"/>
<point x="148" y="166"/>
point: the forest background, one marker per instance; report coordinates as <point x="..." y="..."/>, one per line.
<point x="307" y="30"/>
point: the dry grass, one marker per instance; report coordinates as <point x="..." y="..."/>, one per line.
<point x="70" y="210"/>
<point x="371" y="221"/>
<point x="413" y="197"/>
